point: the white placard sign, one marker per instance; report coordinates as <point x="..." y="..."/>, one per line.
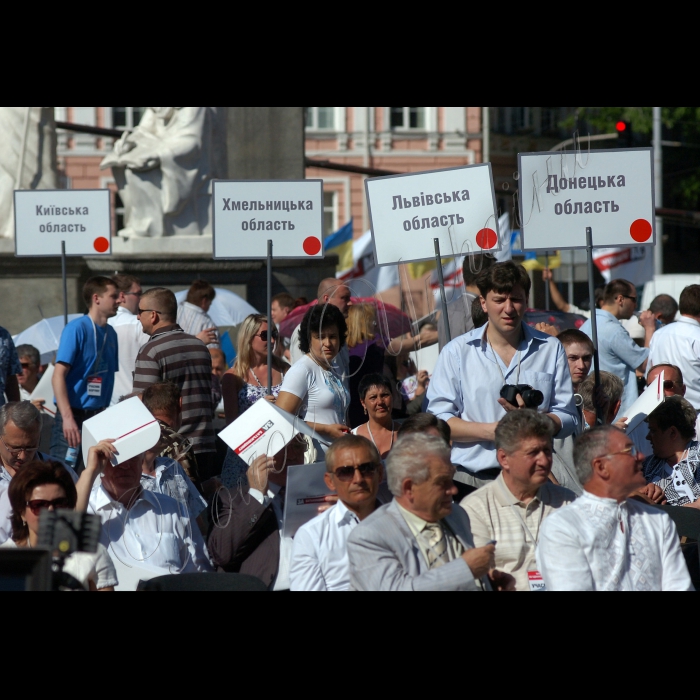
<point x="611" y="191"/>
<point x="44" y="218"/>
<point x="306" y="491"/>
<point x="456" y="205"/>
<point x="264" y="429"/>
<point x="652" y="397"/>
<point x="44" y="390"/>
<point x="130" y="424"/>
<point x="248" y="213"/>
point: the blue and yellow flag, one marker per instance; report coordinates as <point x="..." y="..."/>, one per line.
<point x="340" y="243"/>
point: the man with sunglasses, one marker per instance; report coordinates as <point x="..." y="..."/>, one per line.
<point x="130" y="335"/>
<point x="319" y="554"/>
<point x="605" y="541"/>
<point x="617" y="352"/>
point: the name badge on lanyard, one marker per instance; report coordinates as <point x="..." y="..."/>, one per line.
<point x="534" y="578"/>
<point x="94" y="386"/>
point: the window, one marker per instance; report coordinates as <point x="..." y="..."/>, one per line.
<point x="126" y="117"/>
<point x="320" y="117"/>
<point x="407" y="117"/>
<point x="330" y="220"/>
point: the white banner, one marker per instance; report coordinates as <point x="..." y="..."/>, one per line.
<point x="633" y="264"/>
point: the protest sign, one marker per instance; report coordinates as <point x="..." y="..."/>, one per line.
<point x="652" y="397"/>
<point x="306" y="491"/>
<point x="264" y="429"/>
<point x="79" y="218"/>
<point x="455" y="205"/>
<point x="130" y="424"/>
<point x="248" y="213"/>
<point x="562" y="193"/>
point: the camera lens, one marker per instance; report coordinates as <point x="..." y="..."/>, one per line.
<point x="532" y="398"/>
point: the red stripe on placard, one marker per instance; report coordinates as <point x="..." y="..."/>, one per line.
<point x="150" y="422"/>
<point x="253" y="438"/>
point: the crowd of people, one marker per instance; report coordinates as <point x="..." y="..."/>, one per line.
<point x="509" y="468"/>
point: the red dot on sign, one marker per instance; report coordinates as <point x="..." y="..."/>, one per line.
<point x="312" y="245"/>
<point x="640" y="230"/>
<point x="486" y="238"/>
<point x="101" y="244"/>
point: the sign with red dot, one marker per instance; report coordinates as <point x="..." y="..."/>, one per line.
<point x="609" y="190"/>
<point x="456" y="205"/>
<point x="248" y="213"/>
<point x="80" y="219"/>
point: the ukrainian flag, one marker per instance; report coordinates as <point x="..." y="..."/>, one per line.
<point x="539" y="262"/>
<point x="340" y="243"/>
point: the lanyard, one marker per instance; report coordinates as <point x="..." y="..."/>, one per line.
<point x="98" y="358"/>
<point x="503" y="376"/>
<point x="526" y="529"/>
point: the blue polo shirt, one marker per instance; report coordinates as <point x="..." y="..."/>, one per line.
<point x="82" y="343"/>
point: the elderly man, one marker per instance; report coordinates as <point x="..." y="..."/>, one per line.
<point x="511" y="509"/>
<point x="472" y="370"/>
<point x="604" y="541"/>
<point x="319" y="554"/>
<point x="130" y="335"/>
<point x="679" y="343"/>
<point x="145" y="532"/>
<point x="664" y="308"/>
<point x="618" y="353"/>
<point x="173" y="355"/>
<point x="246" y="535"/>
<point x="20" y="430"/>
<point x="418" y="542"/>
<point x="28" y="378"/>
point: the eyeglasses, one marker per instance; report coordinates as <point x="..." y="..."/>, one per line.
<point x="669" y="384"/>
<point x="627" y="296"/>
<point x="133" y="294"/>
<point x="143" y="311"/>
<point x="26" y="365"/>
<point x="263" y="335"/>
<point x="38" y="505"/>
<point x="348" y="473"/>
<point x="632" y="451"/>
<point x="14" y="451"/>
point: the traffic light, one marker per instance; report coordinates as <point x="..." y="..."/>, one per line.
<point x="624" y="134"/>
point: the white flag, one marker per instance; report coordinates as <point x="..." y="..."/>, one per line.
<point x="365" y="278"/>
<point x="635" y="264"/>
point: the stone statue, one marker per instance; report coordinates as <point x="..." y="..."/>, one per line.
<point x="27" y="157"/>
<point x="163" y="170"/>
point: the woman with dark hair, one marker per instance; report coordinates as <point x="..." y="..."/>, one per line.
<point x="47" y="485"/>
<point x="312" y="387"/>
<point x="380" y="428"/>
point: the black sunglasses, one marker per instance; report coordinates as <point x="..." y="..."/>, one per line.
<point x="263" y="335"/>
<point x="669" y="384"/>
<point x="143" y="311"/>
<point x="37" y="505"/>
<point x="348" y="473"/>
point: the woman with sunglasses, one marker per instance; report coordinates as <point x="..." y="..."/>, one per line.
<point x="47" y="485"/>
<point x="380" y="429"/>
<point x="246" y="382"/>
<point x="312" y="388"/>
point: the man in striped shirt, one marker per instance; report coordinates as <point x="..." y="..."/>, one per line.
<point x="173" y="355"/>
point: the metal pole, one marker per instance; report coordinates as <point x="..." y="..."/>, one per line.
<point x="441" y="281"/>
<point x="270" y="323"/>
<point x="485" y="135"/>
<point x="594" y="323"/>
<point x="546" y="283"/>
<point x="570" y="287"/>
<point x="658" y="192"/>
<point x="65" y="283"/>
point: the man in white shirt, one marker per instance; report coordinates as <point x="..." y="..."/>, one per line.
<point x="129" y="332"/>
<point x="511" y="509"/>
<point x="144" y="532"/>
<point x="319" y="553"/>
<point x="472" y="369"/>
<point x="192" y="314"/>
<point x="679" y="343"/>
<point x="604" y="541"/>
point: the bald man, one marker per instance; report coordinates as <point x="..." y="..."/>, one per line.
<point x="330" y="291"/>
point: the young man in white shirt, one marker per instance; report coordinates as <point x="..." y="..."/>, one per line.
<point x="604" y="541"/>
<point x="319" y="554"/>
<point x="472" y="369"/>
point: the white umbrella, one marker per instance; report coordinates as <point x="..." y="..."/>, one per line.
<point x="227" y="309"/>
<point x="44" y="336"/>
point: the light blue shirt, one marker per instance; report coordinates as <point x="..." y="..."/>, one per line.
<point x="468" y="377"/>
<point x="618" y="354"/>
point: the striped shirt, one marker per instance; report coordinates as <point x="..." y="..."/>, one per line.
<point x="193" y="320"/>
<point x="173" y="356"/>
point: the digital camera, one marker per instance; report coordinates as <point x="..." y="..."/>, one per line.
<point x="532" y="397"/>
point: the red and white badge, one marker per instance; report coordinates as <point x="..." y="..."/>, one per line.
<point x="534" y="578"/>
<point x="94" y="386"/>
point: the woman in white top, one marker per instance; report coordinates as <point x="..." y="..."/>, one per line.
<point x="376" y="400"/>
<point x="39" y="485"/>
<point x="312" y="388"/>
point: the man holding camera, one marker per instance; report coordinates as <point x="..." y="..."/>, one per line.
<point x="503" y="366"/>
